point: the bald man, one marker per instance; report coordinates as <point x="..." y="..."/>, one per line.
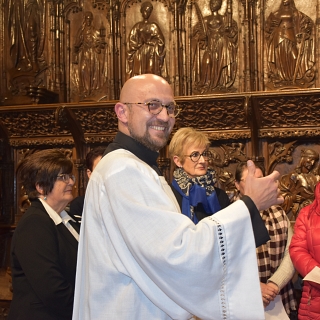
<point x="139" y="257"/>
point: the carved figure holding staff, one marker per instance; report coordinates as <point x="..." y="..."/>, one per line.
<point x="26" y="26"/>
<point x="215" y="47"/>
<point x="89" y="49"/>
<point x="146" y="51"/>
<point x="290" y="47"/>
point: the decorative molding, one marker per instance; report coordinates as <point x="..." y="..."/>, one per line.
<point x="97" y="120"/>
<point x="53" y="142"/>
<point x="99" y="139"/>
<point x="289" y="133"/>
<point x="30" y="123"/>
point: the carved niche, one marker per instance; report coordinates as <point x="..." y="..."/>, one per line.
<point x="89" y="54"/>
<point x="290" y="45"/>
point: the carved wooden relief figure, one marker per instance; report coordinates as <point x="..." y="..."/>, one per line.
<point x="279" y="152"/>
<point x="290" y="47"/>
<point x="232" y="153"/>
<point x="298" y="186"/>
<point x="90" y="57"/>
<point x="26" y="33"/>
<point x="215" y="47"/>
<point x="146" y="46"/>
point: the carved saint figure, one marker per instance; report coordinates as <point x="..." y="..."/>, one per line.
<point x="26" y="25"/>
<point x="215" y="46"/>
<point x="146" y="51"/>
<point x="298" y="186"/>
<point x="89" y="55"/>
<point x="290" y="46"/>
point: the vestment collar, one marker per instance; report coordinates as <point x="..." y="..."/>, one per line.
<point x="123" y="141"/>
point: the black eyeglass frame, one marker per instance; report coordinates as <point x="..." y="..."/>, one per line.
<point x="65" y="177"/>
<point x="177" y="109"/>
<point x="206" y="158"/>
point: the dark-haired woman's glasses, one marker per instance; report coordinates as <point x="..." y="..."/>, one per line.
<point x="195" y="156"/>
<point x="65" y="177"/>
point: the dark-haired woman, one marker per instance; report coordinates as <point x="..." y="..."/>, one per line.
<point x="44" y="244"/>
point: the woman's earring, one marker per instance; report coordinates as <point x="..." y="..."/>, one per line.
<point x="45" y="197"/>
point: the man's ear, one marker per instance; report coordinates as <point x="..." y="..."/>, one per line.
<point x="121" y="111"/>
<point x="177" y="161"/>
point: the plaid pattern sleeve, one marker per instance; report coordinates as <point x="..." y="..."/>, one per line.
<point x="270" y="255"/>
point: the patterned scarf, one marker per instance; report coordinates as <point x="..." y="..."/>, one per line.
<point x="196" y="190"/>
<point x="270" y="255"/>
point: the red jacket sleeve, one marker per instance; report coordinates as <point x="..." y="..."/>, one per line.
<point x="301" y="250"/>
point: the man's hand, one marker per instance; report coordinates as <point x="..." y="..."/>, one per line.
<point x="264" y="191"/>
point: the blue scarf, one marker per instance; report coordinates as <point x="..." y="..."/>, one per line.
<point x="196" y="190"/>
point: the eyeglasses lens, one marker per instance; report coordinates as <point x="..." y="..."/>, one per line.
<point x="65" y="177"/>
<point x="196" y="156"/>
<point x="155" y="107"/>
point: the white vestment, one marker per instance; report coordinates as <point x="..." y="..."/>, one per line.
<point x="139" y="258"/>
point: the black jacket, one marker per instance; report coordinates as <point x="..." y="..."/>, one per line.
<point x="43" y="265"/>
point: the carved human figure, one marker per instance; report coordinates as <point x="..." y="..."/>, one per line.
<point x="297" y="187"/>
<point x="26" y="26"/>
<point x="89" y="55"/>
<point x="215" y="46"/>
<point x="290" y="46"/>
<point x="146" y="46"/>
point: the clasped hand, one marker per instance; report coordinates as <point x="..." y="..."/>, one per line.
<point x="268" y="292"/>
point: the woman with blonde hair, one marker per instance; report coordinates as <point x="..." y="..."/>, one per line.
<point x="193" y="182"/>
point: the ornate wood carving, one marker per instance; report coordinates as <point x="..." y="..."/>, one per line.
<point x="289" y="115"/>
<point x="214" y="49"/>
<point x="227" y="113"/>
<point x="82" y="50"/>
<point x="279" y="152"/>
<point x="290" y="56"/>
<point x="298" y="185"/>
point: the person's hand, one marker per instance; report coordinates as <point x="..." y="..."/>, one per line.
<point x="268" y="292"/>
<point x="264" y="191"/>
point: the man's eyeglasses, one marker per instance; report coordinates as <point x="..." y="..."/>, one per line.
<point x="65" y="177"/>
<point x="195" y="156"/>
<point x="155" y="107"/>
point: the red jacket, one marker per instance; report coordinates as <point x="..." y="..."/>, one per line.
<point x="305" y="255"/>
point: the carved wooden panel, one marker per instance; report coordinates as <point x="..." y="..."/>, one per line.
<point x="226" y="117"/>
<point x="89" y="53"/>
<point x="34" y="125"/>
<point x="289" y="43"/>
<point x="291" y="114"/>
<point x="299" y="177"/>
<point x="73" y="51"/>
